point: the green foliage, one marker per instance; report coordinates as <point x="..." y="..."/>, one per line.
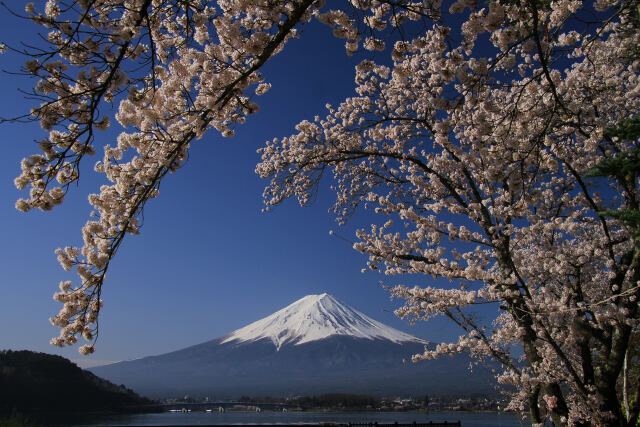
<point x="17" y="419"/>
<point x="629" y="217"/>
<point x="37" y="382"/>
<point x="627" y="129"/>
<point x="624" y="167"/>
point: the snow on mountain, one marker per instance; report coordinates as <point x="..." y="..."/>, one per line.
<point x="316" y="317"/>
<point x="315" y="345"/>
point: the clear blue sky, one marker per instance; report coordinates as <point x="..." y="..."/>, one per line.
<point x="207" y="260"/>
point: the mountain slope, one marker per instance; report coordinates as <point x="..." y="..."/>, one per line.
<point x="316" y="317"/>
<point x="315" y="345"/>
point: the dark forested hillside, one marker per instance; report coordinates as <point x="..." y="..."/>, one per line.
<point x="32" y="381"/>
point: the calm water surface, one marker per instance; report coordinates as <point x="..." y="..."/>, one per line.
<point x="468" y="419"/>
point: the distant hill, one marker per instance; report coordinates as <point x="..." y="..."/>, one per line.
<point x="31" y="381"/>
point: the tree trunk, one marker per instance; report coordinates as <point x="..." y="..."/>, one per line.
<point x="625" y="385"/>
<point x="534" y="407"/>
<point x="560" y="411"/>
<point x="611" y="404"/>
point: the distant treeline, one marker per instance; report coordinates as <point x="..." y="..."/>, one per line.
<point x="336" y="400"/>
<point x="330" y="400"/>
<point x="41" y="382"/>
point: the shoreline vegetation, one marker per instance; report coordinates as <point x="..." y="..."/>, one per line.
<point x="343" y="402"/>
<point x="34" y="385"/>
<point x="36" y="388"/>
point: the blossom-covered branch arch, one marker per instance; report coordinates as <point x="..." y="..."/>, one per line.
<point x="179" y="68"/>
<point x="476" y="141"/>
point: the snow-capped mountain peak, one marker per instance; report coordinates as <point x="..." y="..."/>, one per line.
<point x="316" y="317"/>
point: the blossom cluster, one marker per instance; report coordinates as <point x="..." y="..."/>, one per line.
<point x="176" y="69"/>
<point x="473" y="147"/>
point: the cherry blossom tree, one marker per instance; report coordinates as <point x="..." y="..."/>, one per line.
<point x="474" y="147"/>
<point x="177" y="68"/>
<point x="472" y="141"/>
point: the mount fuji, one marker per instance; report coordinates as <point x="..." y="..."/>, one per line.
<point x="313" y="318"/>
<point x="315" y="345"/>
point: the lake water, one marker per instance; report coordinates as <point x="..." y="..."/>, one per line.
<point x="468" y="419"/>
